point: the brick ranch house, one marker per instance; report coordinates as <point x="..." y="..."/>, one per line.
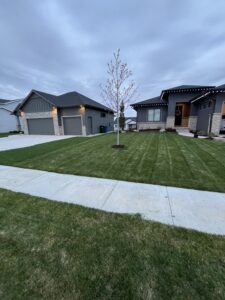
<point x="67" y="114"/>
<point x="190" y="107"/>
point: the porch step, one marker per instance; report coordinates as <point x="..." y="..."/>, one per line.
<point x="182" y="129"/>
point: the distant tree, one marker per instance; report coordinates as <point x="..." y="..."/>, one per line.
<point x="118" y="88"/>
<point x="122" y="116"/>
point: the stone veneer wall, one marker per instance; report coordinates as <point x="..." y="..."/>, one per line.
<point x="41" y="115"/>
<point x="216" y="122"/>
<point x="192" y="123"/>
<point x="170" y="122"/>
<point x="150" y="125"/>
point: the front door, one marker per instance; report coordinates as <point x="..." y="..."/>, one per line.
<point x="178" y="115"/>
<point x="89" y="125"/>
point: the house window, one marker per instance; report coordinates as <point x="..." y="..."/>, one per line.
<point x="154" y="115"/>
<point x="103" y="115"/>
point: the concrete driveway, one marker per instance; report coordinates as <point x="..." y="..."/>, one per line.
<point x="21" y="140"/>
<point x="203" y="211"/>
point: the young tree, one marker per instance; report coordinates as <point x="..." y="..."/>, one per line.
<point x="122" y="117"/>
<point x="119" y="87"/>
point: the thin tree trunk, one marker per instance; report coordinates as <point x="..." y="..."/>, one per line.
<point x="118" y="129"/>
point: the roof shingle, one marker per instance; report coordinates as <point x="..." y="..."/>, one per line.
<point x="150" y="102"/>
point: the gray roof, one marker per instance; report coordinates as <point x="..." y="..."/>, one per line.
<point x="3" y="101"/>
<point x="77" y="99"/>
<point x="156" y="101"/>
<point x="219" y="88"/>
<point x="11" y="105"/>
<point x="71" y="99"/>
<point x="187" y="88"/>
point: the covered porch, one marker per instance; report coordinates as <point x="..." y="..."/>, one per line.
<point x="182" y="113"/>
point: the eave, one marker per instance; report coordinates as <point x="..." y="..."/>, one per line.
<point x="149" y="105"/>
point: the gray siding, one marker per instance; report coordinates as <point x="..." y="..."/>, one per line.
<point x="71" y="111"/>
<point x="178" y="97"/>
<point x="142" y="113"/>
<point x="36" y="104"/>
<point x="98" y="121"/>
<point x="204" y="112"/>
<point x="220" y="99"/>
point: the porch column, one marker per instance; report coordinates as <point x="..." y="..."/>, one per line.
<point x="24" y="123"/>
<point x="216" y="122"/>
<point x="217" y="115"/>
<point x="54" y="114"/>
<point x="193" y="117"/>
<point x="170" y="122"/>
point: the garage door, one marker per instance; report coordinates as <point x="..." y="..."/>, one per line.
<point x="72" y="125"/>
<point x="42" y="126"/>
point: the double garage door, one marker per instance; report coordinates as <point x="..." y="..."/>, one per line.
<point x="45" y="126"/>
<point x="42" y="126"/>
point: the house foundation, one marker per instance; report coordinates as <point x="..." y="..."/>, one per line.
<point x="192" y="123"/>
<point x="170" y="122"/>
<point x="216" y="122"/>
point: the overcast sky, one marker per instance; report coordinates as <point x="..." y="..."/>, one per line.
<point x="58" y="46"/>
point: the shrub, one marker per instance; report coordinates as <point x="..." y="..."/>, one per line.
<point x="171" y="130"/>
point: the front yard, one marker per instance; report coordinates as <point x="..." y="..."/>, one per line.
<point x="51" y="250"/>
<point x="158" y="158"/>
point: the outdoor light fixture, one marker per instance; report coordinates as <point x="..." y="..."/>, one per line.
<point x="54" y="111"/>
<point x="82" y="109"/>
<point x="21" y="113"/>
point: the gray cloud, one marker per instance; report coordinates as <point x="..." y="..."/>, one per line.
<point x="58" y="46"/>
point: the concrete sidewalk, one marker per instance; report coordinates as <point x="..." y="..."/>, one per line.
<point x="203" y="211"/>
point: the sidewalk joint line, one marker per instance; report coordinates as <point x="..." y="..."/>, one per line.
<point x="171" y="212"/>
<point x="110" y="193"/>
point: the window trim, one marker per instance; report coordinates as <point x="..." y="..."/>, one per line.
<point x="154" y="109"/>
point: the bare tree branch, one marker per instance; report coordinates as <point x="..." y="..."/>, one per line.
<point x="118" y="88"/>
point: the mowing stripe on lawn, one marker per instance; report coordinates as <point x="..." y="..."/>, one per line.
<point x="211" y="170"/>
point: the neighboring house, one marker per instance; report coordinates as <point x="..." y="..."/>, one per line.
<point x="193" y="107"/>
<point x="8" y="121"/>
<point x="130" y="123"/>
<point x="67" y="114"/>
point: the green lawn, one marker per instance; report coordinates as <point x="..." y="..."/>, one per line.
<point x="51" y="250"/>
<point x="159" y="158"/>
<point x="4" y="134"/>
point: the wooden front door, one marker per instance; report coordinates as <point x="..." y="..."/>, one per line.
<point x="178" y="115"/>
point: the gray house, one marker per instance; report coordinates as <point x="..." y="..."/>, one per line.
<point x="67" y="114"/>
<point x="190" y="107"/>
